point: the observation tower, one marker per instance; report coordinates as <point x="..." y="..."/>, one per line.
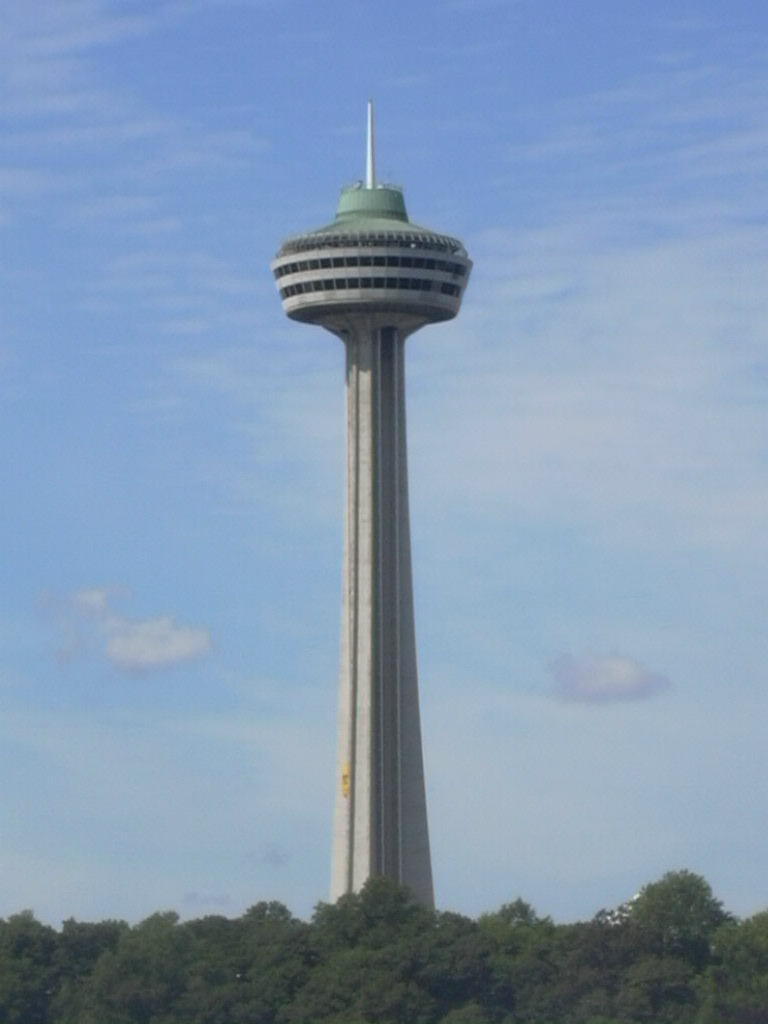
<point x="372" y="278"/>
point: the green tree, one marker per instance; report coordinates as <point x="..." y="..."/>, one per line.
<point x="658" y="990"/>
<point x="512" y="925"/>
<point x="79" y="947"/>
<point x="142" y="980"/>
<point x="380" y="913"/>
<point x="678" y="915"/>
<point x="670" y="956"/>
<point x="735" y="988"/>
<point x="469" y="1013"/>
<point x="360" y="985"/>
<point x="28" y="972"/>
<point x="520" y="959"/>
<point x="366" y="957"/>
<point x="214" y="970"/>
<point x="452" y="963"/>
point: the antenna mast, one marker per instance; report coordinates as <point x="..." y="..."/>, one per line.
<point x="370" y="165"/>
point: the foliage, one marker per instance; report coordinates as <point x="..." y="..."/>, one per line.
<point x="735" y="986"/>
<point x="678" y="915"/>
<point x="672" y="955"/>
<point x="28" y="973"/>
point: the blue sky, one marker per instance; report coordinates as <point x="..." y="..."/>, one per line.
<point x="589" y="471"/>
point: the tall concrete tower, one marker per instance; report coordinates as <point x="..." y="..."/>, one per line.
<point x="373" y="278"/>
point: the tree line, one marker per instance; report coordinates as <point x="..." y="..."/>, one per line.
<point x="672" y="955"/>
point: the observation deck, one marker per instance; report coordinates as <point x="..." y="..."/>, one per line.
<point x="371" y="259"/>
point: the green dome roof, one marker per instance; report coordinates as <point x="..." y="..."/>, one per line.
<point x="380" y="208"/>
<point x="365" y="211"/>
<point x="357" y="203"/>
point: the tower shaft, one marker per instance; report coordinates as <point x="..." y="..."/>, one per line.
<point x="380" y="825"/>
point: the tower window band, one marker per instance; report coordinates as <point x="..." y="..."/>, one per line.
<point x="458" y="269"/>
<point x="341" y="283"/>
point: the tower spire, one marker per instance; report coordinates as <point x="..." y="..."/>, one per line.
<point x="370" y="164"/>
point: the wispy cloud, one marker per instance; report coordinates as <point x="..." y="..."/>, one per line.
<point x="626" y="399"/>
<point x="619" y="343"/>
<point x="18" y="182"/>
<point x="603" y="679"/>
<point x="145" y="811"/>
<point x="133" y="645"/>
<point x="663" y="131"/>
<point x="43" y="47"/>
<point x="58" y="103"/>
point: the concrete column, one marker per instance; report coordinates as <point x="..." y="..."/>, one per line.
<point x="380" y="825"/>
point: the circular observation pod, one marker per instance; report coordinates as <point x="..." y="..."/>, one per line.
<point x="371" y="260"/>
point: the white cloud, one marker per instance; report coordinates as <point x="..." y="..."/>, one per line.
<point x="153" y="643"/>
<point x="130" y="644"/>
<point x="93" y="600"/>
<point x="600" y="679"/>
